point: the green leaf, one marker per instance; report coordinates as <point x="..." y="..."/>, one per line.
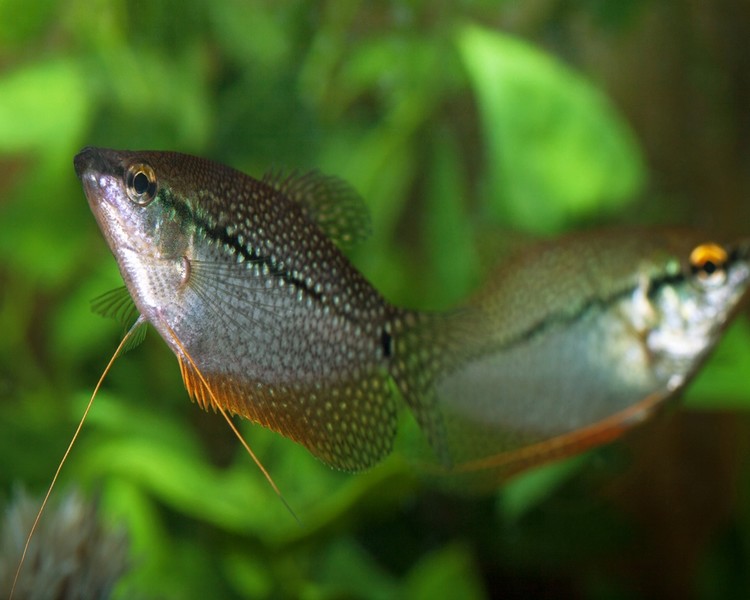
<point x="722" y="384"/>
<point x="165" y="459"/>
<point x="556" y="149"/>
<point x="529" y="489"/>
<point x="248" y="575"/>
<point x="163" y="94"/>
<point x="33" y="101"/>
<point x="346" y="571"/>
<point x="21" y="20"/>
<point x="46" y="250"/>
<point x="448" y="573"/>
<point x="448" y="232"/>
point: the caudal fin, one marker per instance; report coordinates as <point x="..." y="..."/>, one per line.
<point x="424" y="346"/>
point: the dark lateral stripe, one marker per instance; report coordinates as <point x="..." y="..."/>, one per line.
<point x="220" y="235"/>
<point x="735" y="255"/>
<point x="561" y="318"/>
<point x="386" y="343"/>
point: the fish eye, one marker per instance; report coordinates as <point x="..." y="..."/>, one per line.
<point x="708" y="264"/>
<point x="140" y="184"/>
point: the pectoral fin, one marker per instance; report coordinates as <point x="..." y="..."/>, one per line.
<point x="117" y="304"/>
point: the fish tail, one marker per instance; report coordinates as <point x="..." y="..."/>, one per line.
<point x="421" y="344"/>
<point x="474" y="448"/>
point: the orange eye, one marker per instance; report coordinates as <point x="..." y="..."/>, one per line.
<point x="140" y="182"/>
<point x="708" y="264"/>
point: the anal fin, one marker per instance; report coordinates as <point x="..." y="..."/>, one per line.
<point x="349" y="424"/>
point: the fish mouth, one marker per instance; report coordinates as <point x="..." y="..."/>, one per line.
<point x="93" y="167"/>
<point x="87" y="160"/>
<point x="92" y="190"/>
<point x="92" y="163"/>
<point x="89" y="164"/>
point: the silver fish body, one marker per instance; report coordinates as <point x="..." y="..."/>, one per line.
<point x="279" y="323"/>
<point x="570" y="343"/>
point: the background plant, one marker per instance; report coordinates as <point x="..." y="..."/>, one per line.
<point x="468" y="127"/>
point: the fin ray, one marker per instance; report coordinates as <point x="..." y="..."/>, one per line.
<point x="208" y="279"/>
<point x="116" y="304"/>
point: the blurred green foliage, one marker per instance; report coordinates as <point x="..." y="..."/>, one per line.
<point x="456" y="132"/>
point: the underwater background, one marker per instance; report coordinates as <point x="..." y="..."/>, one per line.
<point x="469" y="128"/>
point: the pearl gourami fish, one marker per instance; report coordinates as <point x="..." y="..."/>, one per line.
<point x="570" y="343"/>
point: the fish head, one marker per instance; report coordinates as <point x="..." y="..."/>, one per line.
<point x="132" y="199"/>
<point x="683" y="307"/>
<point x="127" y="194"/>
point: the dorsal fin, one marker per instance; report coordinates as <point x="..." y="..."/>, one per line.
<point x="328" y="201"/>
